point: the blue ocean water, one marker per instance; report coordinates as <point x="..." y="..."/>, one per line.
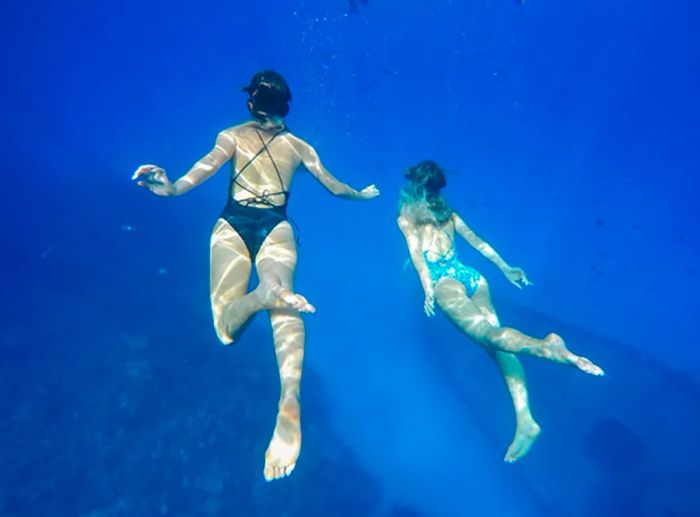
<point x="570" y="134"/>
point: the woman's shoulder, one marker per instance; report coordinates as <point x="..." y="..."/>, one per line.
<point x="293" y="138"/>
<point x="242" y="130"/>
<point x="454" y="216"/>
<point x="230" y="133"/>
<point x="239" y="128"/>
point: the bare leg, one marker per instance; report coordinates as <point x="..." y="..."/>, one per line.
<point x="275" y="264"/>
<point x="229" y="277"/>
<point x="453" y="300"/>
<point x="527" y="429"/>
<point x="230" y="274"/>
<point x="285" y="445"/>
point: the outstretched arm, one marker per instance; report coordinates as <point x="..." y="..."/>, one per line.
<point x="414" y="248"/>
<point x="156" y="180"/>
<point x="515" y="275"/>
<point x="310" y="159"/>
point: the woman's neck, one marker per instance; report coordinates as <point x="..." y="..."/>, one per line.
<point x="271" y="123"/>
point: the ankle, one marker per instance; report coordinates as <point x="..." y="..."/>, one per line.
<point x="290" y="396"/>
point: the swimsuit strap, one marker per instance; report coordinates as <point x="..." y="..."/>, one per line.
<point x="256" y="197"/>
<point x="279" y="176"/>
<point x="453" y="247"/>
<point x="452" y="237"/>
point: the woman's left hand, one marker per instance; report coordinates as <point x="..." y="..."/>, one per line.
<point x="516" y="276"/>
<point x="369" y="192"/>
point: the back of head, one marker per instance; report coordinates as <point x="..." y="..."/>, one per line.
<point x="268" y="95"/>
<point x="421" y="199"/>
<point x="428" y="174"/>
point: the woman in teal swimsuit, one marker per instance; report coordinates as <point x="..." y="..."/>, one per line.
<point x="429" y="226"/>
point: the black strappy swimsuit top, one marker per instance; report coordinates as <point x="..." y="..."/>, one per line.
<point x="256" y="197"/>
<point x="254" y="223"/>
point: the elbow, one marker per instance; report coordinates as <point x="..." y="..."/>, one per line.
<point x="403" y="223"/>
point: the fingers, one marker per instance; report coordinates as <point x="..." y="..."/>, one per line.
<point x="147" y="184"/>
<point x="370" y="191"/>
<point x="520" y="282"/>
<point x="142" y="170"/>
<point x="148" y="170"/>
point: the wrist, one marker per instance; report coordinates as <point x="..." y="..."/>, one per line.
<point x="175" y="189"/>
<point x="502" y="265"/>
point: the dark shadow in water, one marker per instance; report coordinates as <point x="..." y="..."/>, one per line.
<point x="117" y="399"/>
<point x="618" y="445"/>
<point x="403" y="511"/>
<point x="614" y="447"/>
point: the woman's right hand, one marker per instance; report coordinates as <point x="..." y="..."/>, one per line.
<point x="429" y="304"/>
<point x="154" y="179"/>
<point x="369" y="192"/>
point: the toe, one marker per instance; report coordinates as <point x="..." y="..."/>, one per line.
<point x="269" y="473"/>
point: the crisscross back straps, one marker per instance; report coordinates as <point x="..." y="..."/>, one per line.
<point x="258" y="198"/>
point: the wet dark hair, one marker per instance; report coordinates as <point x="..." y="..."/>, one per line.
<point x="421" y="199"/>
<point x="268" y="95"/>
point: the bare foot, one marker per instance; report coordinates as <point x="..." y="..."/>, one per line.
<point x="588" y="366"/>
<point x="557" y="350"/>
<point x="273" y="295"/>
<point x="283" y="451"/>
<point x="525" y="436"/>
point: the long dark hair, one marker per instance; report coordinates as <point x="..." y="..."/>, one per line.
<point x="421" y="199"/>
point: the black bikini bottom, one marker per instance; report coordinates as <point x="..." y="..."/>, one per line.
<point x="253" y="223"/>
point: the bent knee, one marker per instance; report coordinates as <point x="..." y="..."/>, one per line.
<point x="224" y="338"/>
<point x="480" y="328"/>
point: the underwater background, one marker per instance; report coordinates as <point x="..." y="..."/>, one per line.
<point x="570" y="133"/>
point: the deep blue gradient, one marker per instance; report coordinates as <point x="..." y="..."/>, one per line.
<point x="570" y="132"/>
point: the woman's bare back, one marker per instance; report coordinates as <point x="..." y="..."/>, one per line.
<point x="437" y="241"/>
<point x="272" y="170"/>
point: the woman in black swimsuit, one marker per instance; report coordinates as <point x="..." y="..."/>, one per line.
<point x="253" y="229"/>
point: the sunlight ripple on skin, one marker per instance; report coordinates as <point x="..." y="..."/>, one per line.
<point x="264" y="186"/>
<point x="463" y="294"/>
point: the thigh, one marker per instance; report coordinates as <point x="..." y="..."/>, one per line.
<point x="278" y="254"/>
<point x="229" y="266"/>
<point x="508" y="363"/>
<point x="452" y="298"/>
<point x="482" y="299"/>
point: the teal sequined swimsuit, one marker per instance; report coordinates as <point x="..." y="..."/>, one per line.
<point x="450" y="266"/>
